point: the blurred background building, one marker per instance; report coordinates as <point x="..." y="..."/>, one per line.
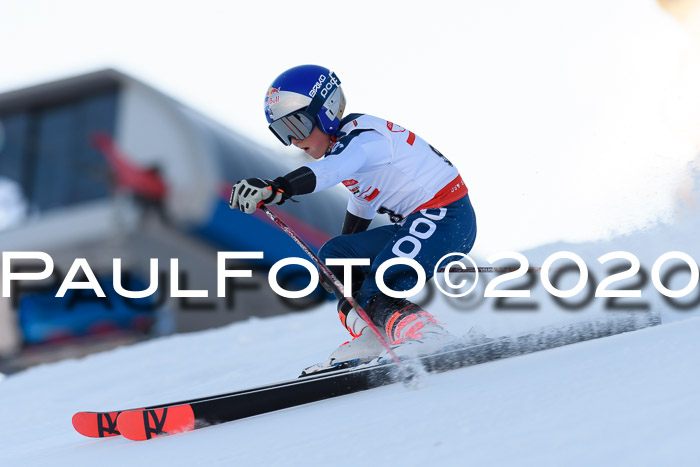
<point x="103" y="166"/>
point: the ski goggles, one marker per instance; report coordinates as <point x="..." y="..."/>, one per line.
<point x="296" y="125"/>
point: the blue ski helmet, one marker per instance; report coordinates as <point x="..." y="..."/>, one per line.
<point x="301" y="98"/>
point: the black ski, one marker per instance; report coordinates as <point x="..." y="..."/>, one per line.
<point x="189" y="415"/>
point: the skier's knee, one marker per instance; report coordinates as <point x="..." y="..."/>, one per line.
<point x="330" y="249"/>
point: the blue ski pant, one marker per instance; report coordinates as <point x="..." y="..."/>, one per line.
<point x="425" y="236"/>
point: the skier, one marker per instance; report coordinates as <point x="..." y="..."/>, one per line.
<point x="388" y="170"/>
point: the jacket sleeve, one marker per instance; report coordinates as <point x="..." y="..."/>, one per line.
<point x="301" y="181"/>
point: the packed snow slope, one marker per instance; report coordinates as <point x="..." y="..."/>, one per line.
<point x="631" y="399"/>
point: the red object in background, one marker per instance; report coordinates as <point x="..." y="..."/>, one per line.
<point x="142" y="181"/>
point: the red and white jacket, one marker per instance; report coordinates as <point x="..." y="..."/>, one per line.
<point x="388" y="169"/>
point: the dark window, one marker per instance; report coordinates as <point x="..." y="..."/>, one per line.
<point x="48" y="151"/>
<point x="13" y="140"/>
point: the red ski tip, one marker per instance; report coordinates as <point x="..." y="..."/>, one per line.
<point x="140" y="425"/>
<point x="96" y="424"/>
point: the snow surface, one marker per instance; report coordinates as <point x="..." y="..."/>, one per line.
<point x="630" y="399"/>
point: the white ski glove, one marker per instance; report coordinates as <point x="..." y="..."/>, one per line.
<point x="249" y="194"/>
